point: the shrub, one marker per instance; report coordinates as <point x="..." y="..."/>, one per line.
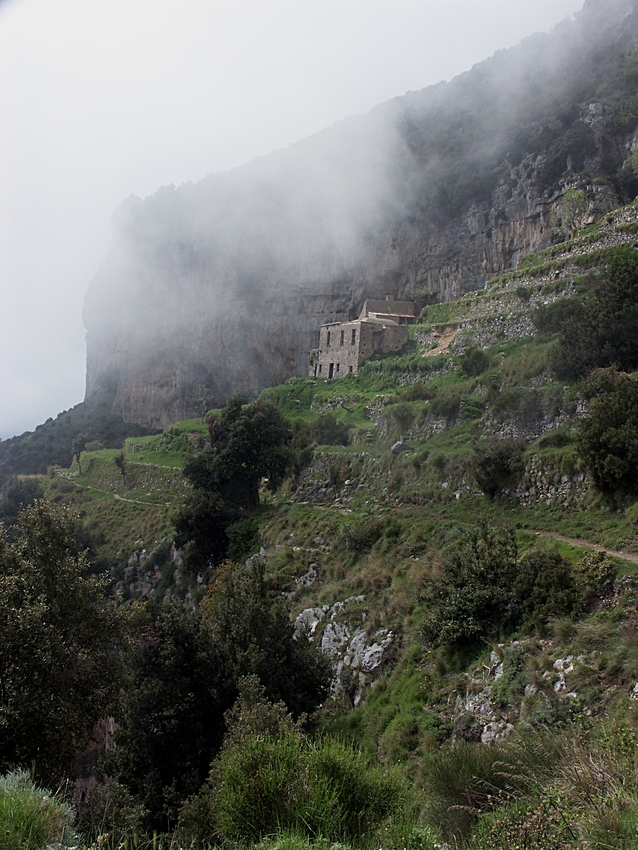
<point x="541" y="825"/>
<point x="31" y="817"/>
<point x="474" y="362"/>
<point x="243" y="538"/>
<point x="523" y="292"/>
<point x="362" y="536"/>
<point x="419" y="392"/>
<point x="496" y="464"/>
<point x="550" y="318"/>
<point x="605" y="331"/>
<point x="547" y="587"/>
<point x="328" y="432"/>
<point x="474" y="598"/>
<point x="110" y="810"/>
<point x="446" y="405"/>
<point x="266" y="784"/>
<point x="607" y="438"/>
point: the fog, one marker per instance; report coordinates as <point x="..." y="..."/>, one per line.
<point x="103" y="100"/>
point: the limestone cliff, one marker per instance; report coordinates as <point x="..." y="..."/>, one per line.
<point x="224" y="283"/>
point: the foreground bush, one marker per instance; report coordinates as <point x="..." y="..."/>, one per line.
<point x="267" y="784"/>
<point x="271" y="779"/>
<point x="30" y="817"/>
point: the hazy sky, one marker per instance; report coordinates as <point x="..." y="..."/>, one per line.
<point x="101" y="99"/>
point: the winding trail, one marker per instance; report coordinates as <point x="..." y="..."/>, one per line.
<point x="119" y="498"/>
<point x="584" y="544"/>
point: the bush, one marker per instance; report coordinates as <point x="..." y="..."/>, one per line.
<point x="550" y="318"/>
<point x="484" y="592"/>
<point x="31" y="817"/>
<point x="496" y="464"/>
<point x="474" y="362"/>
<point x="474" y="598"/>
<point x="547" y="587"/>
<point x="605" y="332"/>
<point x="243" y="538"/>
<point x="110" y="810"/>
<point x="419" y="392"/>
<point x="607" y="438"/>
<point x="265" y="784"/>
<point x="328" y="432"/>
<point x="541" y="825"/>
<point x="362" y="536"/>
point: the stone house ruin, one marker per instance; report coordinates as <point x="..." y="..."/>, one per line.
<point x="345" y="346"/>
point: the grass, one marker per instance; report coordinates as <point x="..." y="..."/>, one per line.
<point x="30" y="816"/>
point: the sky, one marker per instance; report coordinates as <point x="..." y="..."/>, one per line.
<point x="103" y="99"/>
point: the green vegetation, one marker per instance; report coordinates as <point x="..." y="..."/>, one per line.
<point x="60" y="646"/>
<point x="31" y="817"/>
<point x="272" y="778"/>
<point x="608" y="435"/>
<point x="246" y="446"/>
<point x="604" y="332"/>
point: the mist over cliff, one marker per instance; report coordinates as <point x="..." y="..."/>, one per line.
<point x="224" y="283"/>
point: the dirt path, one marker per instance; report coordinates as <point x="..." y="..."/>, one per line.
<point x="137" y="501"/>
<point x="120" y="498"/>
<point x="585" y="544"/>
<point x="444" y="337"/>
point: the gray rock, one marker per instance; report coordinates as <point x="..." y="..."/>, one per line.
<point x="308" y="621"/>
<point x="334" y="638"/>
<point x="400" y="447"/>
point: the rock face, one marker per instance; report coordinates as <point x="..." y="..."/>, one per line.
<point x="223" y="284"/>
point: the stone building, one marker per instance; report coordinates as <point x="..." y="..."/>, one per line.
<point x="345" y="346"/>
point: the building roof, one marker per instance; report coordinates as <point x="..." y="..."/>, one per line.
<point x="389" y="307"/>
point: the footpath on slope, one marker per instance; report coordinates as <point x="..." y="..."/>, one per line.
<point x="579" y="543"/>
<point x="119" y="498"/>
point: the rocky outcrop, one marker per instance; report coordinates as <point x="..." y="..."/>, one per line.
<point x="357" y="655"/>
<point x="222" y="285"/>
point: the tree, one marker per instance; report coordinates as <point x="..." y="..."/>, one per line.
<point x="605" y="332"/>
<point x="204" y="399"/>
<point x="185" y="671"/>
<point x="607" y="438"/>
<point x="474" y="599"/>
<point x="60" y="642"/>
<point x="247" y="444"/>
<point x="172" y="723"/>
<point x="254" y="633"/>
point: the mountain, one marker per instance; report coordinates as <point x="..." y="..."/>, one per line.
<point x="220" y="287"/>
<point x="54" y="442"/>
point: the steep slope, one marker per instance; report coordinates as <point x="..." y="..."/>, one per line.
<point x="223" y="284"/>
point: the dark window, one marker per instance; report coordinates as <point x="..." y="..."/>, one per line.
<point x="331" y="370"/>
<point x="354" y="335"/>
<point x="343" y="333"/>
<point x="337" y="367"/>
<point x="320" y="368"/>
<point x="328" y="340"/>
<point x="350" y="367"/>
